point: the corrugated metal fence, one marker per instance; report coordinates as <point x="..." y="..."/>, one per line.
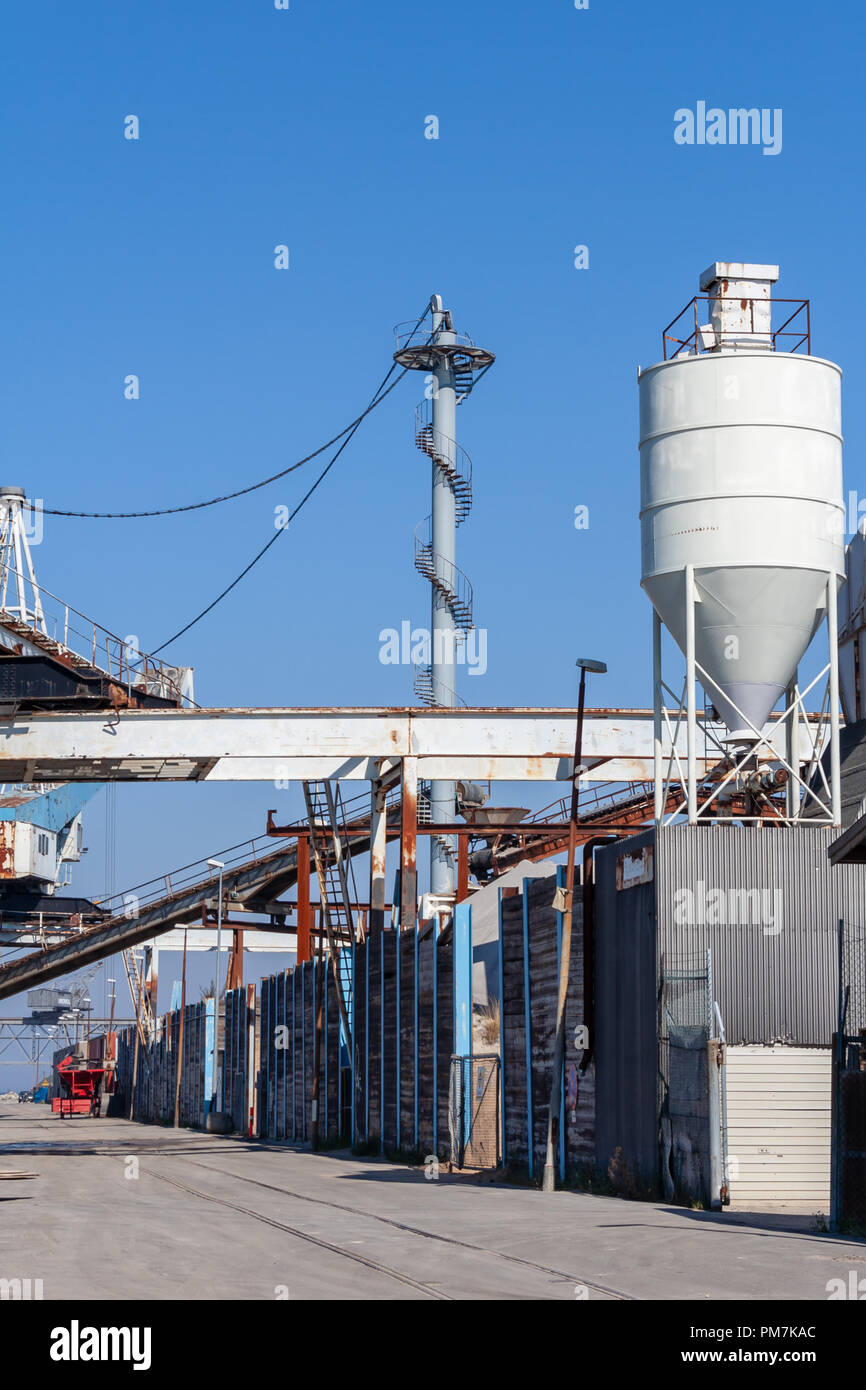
<point x="155" y="1068"/>
<point x="240" y="1059"/>
<point x="531" y="936"/>
<point x="387" y="1084"/>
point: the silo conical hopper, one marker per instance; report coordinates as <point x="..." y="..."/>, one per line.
<point x="741" y="478"/>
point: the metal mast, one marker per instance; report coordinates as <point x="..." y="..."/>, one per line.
<point x="16" y="565"/>
<point x="449" y="359"/>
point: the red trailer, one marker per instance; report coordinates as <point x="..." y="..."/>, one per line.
<point x="81" y="1081"/>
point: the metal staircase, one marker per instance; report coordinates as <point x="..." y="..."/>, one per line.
<point x="329" y="857"/>
<point x="463" y="377"/>
<point x="455" y="466"/>
<point x="425" y="815"/>
<point x="448" y="455"/>
<point x="450" y="581"/>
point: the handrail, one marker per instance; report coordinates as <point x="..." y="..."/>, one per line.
<point x="769" y="336"/>
<point x="421" y="337"/>
<point x="124" y="662"/>
<point x="456" y="456"/>
<point x="184" y="878"/>
<point x="447" y="577"/>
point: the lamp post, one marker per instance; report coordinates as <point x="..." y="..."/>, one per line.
<point x="217" y="864"/>
<point x="548" y="1183"/>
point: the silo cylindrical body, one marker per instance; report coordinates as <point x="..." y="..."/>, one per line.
<point x="741" y="478"/>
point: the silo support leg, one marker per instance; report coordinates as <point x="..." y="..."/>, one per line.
<point x="409" y="846"/>
<point x="691" y="709"/>
<point x="833" y="641"/>
<point x="657" y="718"/>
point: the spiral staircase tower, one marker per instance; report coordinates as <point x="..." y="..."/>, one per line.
<point x="450" y="360"/>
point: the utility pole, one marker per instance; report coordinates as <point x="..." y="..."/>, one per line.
<point x="180" y="1023"/>
<point x="548" y="1183"/>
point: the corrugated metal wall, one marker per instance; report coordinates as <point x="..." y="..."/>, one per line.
<point x="626" y="1022"/>
<point x="767" y="905"/>
<point x="530" y="932"/>
<point x="774" y="945"/>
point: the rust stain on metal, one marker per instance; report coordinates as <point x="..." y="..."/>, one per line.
<point x="7" y="849"/>
<point x="632" y="869"/>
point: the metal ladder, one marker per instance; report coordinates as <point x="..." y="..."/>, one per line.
<point x="329" y="856"/>
<point x="145" y="1020"/>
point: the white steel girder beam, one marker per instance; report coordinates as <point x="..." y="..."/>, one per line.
<point x="287" y="745"/>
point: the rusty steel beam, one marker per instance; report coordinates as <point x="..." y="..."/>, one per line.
<point x="235" y="972"/>
<point x="324" y="744"/>
<point x="378" y="846"/>
<point x="462" y="868"/>
<point x="304" y="912"/>
<point x="409" y="846"/>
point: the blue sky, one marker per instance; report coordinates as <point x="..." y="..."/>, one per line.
<point x="306" y="127"/>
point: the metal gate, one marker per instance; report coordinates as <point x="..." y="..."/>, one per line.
<point x="692" y="1086"/>
<point x="848" y="1107"/>
<point x="473" y="1110"/>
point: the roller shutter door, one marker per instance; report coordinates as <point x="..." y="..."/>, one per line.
<point x="779" y="1125"/>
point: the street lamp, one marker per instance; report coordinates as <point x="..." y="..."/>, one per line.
<point x="218" y="864"/>
<point x="548" y="1183"/>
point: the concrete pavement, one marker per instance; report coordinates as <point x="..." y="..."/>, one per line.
<point x="124" y="1210"/>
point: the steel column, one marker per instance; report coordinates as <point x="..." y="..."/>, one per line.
<point x="792" y="749"/>
<point x="691" y="709"/>
<point x="835" y="761"/>
<point x="378" y="846"/>
<point x="443" y="543"/>
<point x="305" y="912"/>
<point x="409" y="846"/>
<point x="658" y="700"/>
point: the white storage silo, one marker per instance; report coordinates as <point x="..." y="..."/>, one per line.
<point x="741" y="489"/>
